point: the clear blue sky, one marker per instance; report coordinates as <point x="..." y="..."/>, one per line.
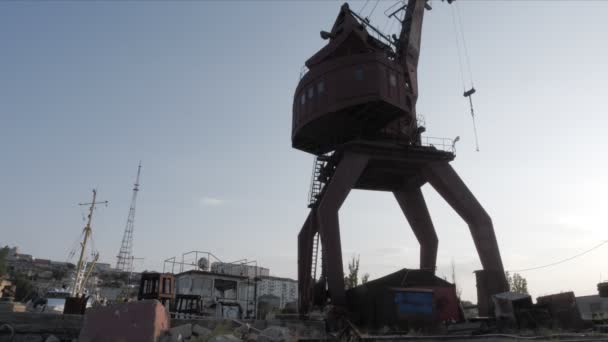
<point x="201" y="93"/>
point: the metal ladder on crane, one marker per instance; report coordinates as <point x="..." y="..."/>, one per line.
<point x="315" y="256"/>
<point x="321" y="174"/>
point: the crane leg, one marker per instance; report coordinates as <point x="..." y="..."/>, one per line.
<point x="305" y="245"/>
<point x="451" y="187"/>
<point x="345" y="177"/>
<point x="417" y="214"/>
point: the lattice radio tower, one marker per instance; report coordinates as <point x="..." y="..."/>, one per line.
<point x="125" y="255"/>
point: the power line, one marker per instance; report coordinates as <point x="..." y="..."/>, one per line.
<point x="563" y="260"/>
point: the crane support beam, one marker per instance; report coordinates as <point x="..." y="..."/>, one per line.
<point x="417" y="214"/>
<point x="401" y="170"/>
<point x="305" y="246"/>
<point x="450" y="186"/>
<point x="344" y="179"/>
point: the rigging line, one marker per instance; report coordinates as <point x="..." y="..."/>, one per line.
<point x="392" y="6"/>
<point x="386" y="31"/>
<point x="464" y="44"/>
<point x="73" y="247"/>
<point x="464" y="87"/>
<point x="363" y="7"/>
<point x="474" y="124"/>
<point x="390" y="27"/>
<point x="93" y="249"/>
<point x="373" y="9"/>
<point x="564" y="260"/>
<point x="389" y="19"/>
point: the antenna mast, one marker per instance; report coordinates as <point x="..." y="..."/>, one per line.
<point x="125" y="255"/>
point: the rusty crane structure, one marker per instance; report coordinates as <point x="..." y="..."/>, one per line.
<point x="355" y="110"/>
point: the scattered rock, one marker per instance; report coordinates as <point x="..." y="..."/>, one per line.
<point x="176" y="338"/>
<point x="252" y="337"/>
<point x="165" y="338"/>
<point x="225" y="338"/>
<point x="241" y="332"/>
<point x="274" y="334"/>
<point x="52" y="338"/>
<point x="27" y="338"/>
<point x="200" y="331"/>
<point x="184" y="330"/>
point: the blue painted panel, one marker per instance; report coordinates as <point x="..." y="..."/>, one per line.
<point x="414" y="302"/>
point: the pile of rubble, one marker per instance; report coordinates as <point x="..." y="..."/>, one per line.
<point x="148" y="320"/>
<point x="224" y="333"/>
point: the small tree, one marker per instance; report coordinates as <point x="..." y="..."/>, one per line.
<point x="365" y="278"/>
<point x="3" y="264"/>
<point x="456" y="287"/>
<point x="59" y="273"/>
<point x="517" y="283"/>
<point x="24" y="288"/>
<point x="352" y="279"/>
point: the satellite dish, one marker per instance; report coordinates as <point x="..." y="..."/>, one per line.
<point x="203" y="264"/>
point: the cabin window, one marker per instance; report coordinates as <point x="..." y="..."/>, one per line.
<point x="311" y="92"/>
<point x="303" y="99"/>
<point x="359" y="74"/>
<point x="393" y="80"/>
<point x="320" y="87"/>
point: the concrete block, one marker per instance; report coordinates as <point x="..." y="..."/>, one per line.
<point x="225" y="338"/>
<point x="275" y="334"/>
<point x="142" y="321"/>
<point x="184" y="330"/>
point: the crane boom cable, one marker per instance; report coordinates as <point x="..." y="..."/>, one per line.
<point x="456" y="37"/>
<point x="464" y="54"/>
<point x="464" y="43"/>
<point x="474" y="124"/>
<point x="363" y="7"/>
<point x="391" y="19"/>
<point x="373" y="9"/>
<point x="388" y="19"/>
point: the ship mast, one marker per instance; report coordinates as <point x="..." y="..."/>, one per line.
<point x="79" y="281"/>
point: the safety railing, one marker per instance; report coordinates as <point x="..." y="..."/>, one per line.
<point x="420" y="120"/>
<point x="443" y="144"/>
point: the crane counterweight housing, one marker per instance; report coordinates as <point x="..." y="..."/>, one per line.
<point x="355" y="88"/>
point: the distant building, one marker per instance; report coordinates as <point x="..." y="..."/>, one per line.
<point x="13" y="252"/>
<point x="284" y="288"/>
<point x="42" y="262"/>
<point x="13" y="255"/>
<point x="592" y="307"/>
<point x="222" y="295"/>
<point x="62" y="264"/>
<point x="25" y="257"/>
<point x="239" y="269"/>
<point x="102" y="267"/>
